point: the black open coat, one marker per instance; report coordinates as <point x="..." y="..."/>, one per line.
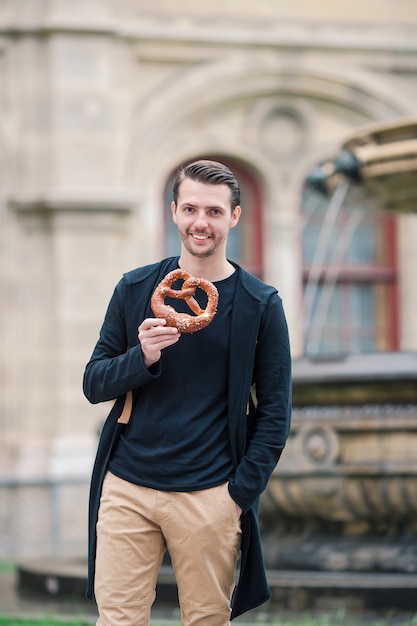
<point x="259" y="359"/>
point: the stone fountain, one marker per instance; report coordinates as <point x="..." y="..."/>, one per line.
<point x="340" y="512"/>
<point x="339" y="516"/>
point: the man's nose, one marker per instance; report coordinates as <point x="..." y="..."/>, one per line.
<point x="201" y="221"/>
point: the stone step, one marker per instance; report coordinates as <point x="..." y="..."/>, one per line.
<point x="50" y="577"/>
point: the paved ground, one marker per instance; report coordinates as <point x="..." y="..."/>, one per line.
<point x="13" y="603"/>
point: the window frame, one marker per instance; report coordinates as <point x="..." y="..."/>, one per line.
<point x="383" y="273"/>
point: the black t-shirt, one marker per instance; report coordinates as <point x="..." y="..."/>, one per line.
<point x="177" y="437"/>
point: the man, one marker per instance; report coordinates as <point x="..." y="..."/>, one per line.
<point x="186" y="472"/>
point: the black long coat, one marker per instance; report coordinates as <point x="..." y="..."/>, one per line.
<point x="259" y="359"/>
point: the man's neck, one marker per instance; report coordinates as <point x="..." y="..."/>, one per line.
<point x="208" y="268"/>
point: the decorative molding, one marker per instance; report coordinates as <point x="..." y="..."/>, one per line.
<point x="281" y="125"/>
<point x="288" y="34"/>
<point x="100" y="200"/>
<point x="349" y="464"/>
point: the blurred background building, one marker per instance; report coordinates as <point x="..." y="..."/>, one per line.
<point x="101" y="101"/>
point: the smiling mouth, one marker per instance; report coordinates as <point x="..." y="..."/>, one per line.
<point x="200" y="237"/>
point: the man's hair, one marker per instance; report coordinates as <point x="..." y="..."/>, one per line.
<point x="209" y="172"/>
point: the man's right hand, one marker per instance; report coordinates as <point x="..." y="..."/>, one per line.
<point x="154" y="336"/>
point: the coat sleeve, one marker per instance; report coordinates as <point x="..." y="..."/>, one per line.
<point x="269" y="421"/>
<point x="115" y="367"/>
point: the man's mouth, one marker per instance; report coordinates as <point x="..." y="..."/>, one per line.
<point x="200" y="237"/>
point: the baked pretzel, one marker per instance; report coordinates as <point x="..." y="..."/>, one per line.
<point x="183" y="321"/>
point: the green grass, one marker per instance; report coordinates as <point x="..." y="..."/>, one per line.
<point x="46" y="621"/>
<point x="7" y="567"/>
<point x="302" y="620"/>
<point x="50" y="621"/>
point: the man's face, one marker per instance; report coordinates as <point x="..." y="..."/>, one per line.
<point x="204" y="217"/>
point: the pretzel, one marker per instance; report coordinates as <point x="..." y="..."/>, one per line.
<point x="183" y="321"/>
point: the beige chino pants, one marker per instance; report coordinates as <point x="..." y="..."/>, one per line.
<point x="201" y="530"/>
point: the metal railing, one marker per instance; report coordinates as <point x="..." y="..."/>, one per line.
<point x="43" y="516"/>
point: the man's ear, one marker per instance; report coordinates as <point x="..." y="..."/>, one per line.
<point x="174" y="212"/>
<point x="236" y="213"/>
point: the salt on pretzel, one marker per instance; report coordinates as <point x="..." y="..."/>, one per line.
<point x="183" y="321"/>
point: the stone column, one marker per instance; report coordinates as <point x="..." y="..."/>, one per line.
<point x="407" y="263"/>
<point x="283" y="259"/>
<point x="72" y="208"/>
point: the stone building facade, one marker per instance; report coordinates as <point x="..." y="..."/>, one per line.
<point x="100" y="102"/>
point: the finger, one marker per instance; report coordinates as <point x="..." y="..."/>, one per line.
<point x="156" y="332"/>
<point x="157" y="337"/>
<point x="163" y="342"/>
<point x="151" y="322"/>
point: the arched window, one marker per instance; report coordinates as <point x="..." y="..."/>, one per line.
<point x="245" y="241"/>
<point x="349" y="275"/>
